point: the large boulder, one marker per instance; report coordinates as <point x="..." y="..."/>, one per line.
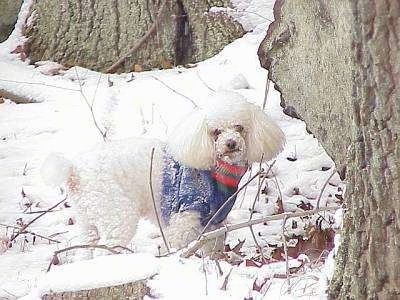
<point x="337" y="62"/>
<point x="8" y="16"/>
<point x="95" y="34"/>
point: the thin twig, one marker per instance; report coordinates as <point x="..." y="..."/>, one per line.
<point x="22" y="229"/>
<point x="154" y="201"/>
<point x="103" y="134"/>
<point x="25" y="169"/>
<point x="58" y="233"/>
<point x="31" y="233"/>
<point x="260" y="183"/>
<point x="205" y="276"/>
<point x="245" y="189"/>
<point x="254" y="13"/>
<point x="324" y="186"/>
<point x="104" y="247"/>
<point x="152" y="30"/>
<point x="175" y="91"/>
<point x="221" y="231"/>
<point x="39" y="83"/>
<point x="280" y="199"/>
<point x="38" y="211"/>
<point x="258" y="187"/>
<point x="266" y="93"/>
<point x="205" y="83"/>
<point x="95" y="91"/>
<point x="123" y="248"/>
<point x="285" y="248"/>
<point x="225" y="283"/>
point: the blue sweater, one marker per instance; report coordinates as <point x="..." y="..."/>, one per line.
<point x="189" y="189"/>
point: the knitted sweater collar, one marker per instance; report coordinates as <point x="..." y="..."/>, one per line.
<point x="228" y="175"/>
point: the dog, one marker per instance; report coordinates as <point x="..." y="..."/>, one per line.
<point x="192" y="174"/>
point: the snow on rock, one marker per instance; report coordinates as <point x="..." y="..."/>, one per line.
<point x="99" y="272"/>
<point x="253" y="14"/>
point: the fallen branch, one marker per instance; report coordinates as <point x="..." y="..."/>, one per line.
<point x="23" y="228"/>
<point x="221" y="231"/>
<point x="152" y="30"/>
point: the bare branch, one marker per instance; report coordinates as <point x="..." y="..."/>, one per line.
<point x="227" y="201"/>
<point x="245" y="189"/>
<point x="103" y="134"/>
<point x="280" y="199"/>
<point x="260" y="183"/>
<point x="266" y="93"/>
<point x="31" y="233"/>
<point x="254" y="13"/>
<point x="323" y="187"/>
<point x="154" y="201"/>
<point x="285" y="248"/>
<point x="205" y="276"/>
<point x="39" y="83"/>
<point x="23" y="228"/>
<point x="225" y="284"/>
<point x="152" y="30"/>
<point x="205" y="83"/>
<point x="104" y="247"/>
<point x="175" y="91"/>
<point x="221" y="231"/>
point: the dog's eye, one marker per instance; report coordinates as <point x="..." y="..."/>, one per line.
<point x="239" y="128"/>
<point x="216" y="132"/>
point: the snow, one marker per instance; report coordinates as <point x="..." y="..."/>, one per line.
<point x="139" y="104"/>
<point x="98" y="272"/>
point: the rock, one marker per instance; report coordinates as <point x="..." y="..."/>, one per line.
<point x="9" y="10"/>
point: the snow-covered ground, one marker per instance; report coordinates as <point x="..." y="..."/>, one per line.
<point x="140" y="104"/>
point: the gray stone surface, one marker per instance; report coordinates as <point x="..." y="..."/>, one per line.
<point x="8" y="16"/>
<point x="337" y="62"/>
<point x="95" y="34"/>
<point x="129" y="291"/>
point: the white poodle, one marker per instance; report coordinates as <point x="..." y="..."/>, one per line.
<point x="193" y="174"/>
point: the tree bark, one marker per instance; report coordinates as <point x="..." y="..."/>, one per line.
<point x="95" y="34"/>
<point x="338" y="63"/>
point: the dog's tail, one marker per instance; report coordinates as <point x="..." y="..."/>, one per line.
<point x="56" y="169"/>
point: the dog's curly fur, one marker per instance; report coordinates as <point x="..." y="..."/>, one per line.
<point x="110" y="184"/>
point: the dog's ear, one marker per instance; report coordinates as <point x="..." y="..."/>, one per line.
<point x="190" y="143"/>
<point x="265" y="139"/>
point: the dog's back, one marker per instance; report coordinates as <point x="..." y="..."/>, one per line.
<point x="110" y="188"/>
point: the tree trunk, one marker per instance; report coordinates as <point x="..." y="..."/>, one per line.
<point x="95" y="34"/>
<point x="338" y="63"/>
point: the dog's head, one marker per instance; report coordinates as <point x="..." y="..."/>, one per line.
<point x="231" y="129"/>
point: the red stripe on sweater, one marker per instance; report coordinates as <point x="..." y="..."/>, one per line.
<point x="237" y="170"/>
<point x="229" y="181"/>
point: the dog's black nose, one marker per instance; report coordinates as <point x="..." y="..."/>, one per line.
<point x="231" y="144"/>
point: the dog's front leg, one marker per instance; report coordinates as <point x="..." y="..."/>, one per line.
<point x="185" y="227"/>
